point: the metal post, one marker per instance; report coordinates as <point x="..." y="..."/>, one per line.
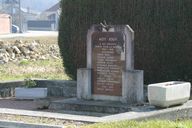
<point x="20" y="24"/>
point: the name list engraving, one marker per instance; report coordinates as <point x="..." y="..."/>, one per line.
<point x="108" y="60"/>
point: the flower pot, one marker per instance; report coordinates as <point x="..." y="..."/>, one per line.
<point x="30" y="93"/>
<point x="169" y="93"/>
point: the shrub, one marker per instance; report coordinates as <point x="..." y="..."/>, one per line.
<point x="29" y="83"/>
<point x="163" y="37"/>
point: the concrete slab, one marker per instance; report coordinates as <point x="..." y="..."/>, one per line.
<point x="15" y="124"/>
<point x="90" y="106"/>
<point x="50" y="115"/>
<point x="150" y="112"/>
<point x="93" y="114"/>
<point x="136" y="113"/>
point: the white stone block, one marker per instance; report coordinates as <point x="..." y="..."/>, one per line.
<point x="30" y="93"/>
<point x="169" y="93"/>
<point x="84" y="83"/>
<point x="132" y="89"/>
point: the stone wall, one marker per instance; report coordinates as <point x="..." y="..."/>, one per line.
<point x="27" y="50"/>
<point x="7" y="88"/>
<point x="56" y="88"/>
<point x="59" y="88"/>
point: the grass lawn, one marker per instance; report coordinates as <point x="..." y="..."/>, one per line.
<point x="143" y="124"/>
<point x="42" y="69"/>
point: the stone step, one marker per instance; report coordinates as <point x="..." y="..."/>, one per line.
<point x="74" y="104"/>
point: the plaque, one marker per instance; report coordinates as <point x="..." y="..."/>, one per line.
<point x="108" y="62"/>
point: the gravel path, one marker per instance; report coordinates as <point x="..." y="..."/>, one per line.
<point x="12" y="103"/>
<point x="17" y="104"/>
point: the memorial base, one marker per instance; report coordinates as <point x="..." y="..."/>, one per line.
<point x="132" y="87"/>
<point x="73" y="104"/>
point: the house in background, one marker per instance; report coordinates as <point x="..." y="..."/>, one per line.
<point x="41" y="25"/>
<point x="48" y="20"/>
<point x="5" y="24"/>
<point x="28" y="15"/>
<point x="27" y="18"/>
<point x="19" y="15"/>
<point x="11" y="7"/>
<point x="54" y="14"/>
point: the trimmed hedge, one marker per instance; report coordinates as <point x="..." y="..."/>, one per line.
<point x="163" y="34"/>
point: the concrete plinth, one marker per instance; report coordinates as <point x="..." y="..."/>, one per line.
<point x="132" y="91"/>
<point x="132" y="87"/>
<point x="74" y="104"/>
<point x="84" y="83"/>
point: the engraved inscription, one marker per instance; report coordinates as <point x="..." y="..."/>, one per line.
<point x="108" y="62"/>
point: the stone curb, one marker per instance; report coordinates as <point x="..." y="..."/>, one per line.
<point x="15" y="124"/>
<point x="174" y="113"/>
<point x="147" y="113"/>
<point x="90" y="119"/>
<point x="178" y="113"/>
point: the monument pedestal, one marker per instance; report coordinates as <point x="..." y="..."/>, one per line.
<point x="90" y="106"/>
<point x="84" y="83"/>
<point x="132" y="87"/>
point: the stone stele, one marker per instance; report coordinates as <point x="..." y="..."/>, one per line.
<point x="110" y="73"/>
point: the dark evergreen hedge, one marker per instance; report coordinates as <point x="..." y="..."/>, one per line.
<point x="163" y="34"/>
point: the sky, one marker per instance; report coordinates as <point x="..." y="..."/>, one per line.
<point x="38" y="5"/>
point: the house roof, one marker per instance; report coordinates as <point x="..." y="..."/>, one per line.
<point x="25" y="10"/>
<point x="4" y="15"/>
<point x="53" y="8"/>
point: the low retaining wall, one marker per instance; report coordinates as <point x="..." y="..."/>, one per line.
<point x="59" y="87"/>
<point x="7" y="88"/>
<point x="56" y="88"/>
